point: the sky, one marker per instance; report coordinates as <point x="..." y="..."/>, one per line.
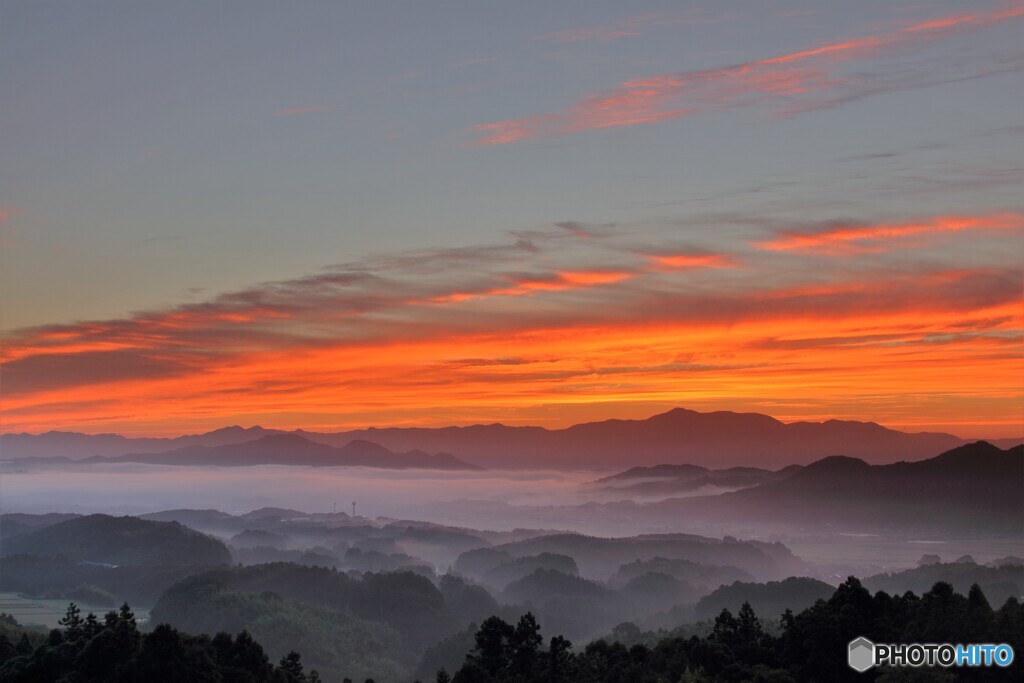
<point x="337" y="215"/>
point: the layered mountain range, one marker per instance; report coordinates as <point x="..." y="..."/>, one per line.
<point x="276" y="449"/>
<point x="977" y="487"/>
<point x="717" y="439"/>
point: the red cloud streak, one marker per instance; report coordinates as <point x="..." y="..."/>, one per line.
<point x="871" y="238"/>
<point x="672" y="96"/>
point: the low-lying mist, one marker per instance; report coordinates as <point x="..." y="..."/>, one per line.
<point x="131" y="488"/>
<point x="493" y="500"/>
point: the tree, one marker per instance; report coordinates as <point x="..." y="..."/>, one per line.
<point x="91" y="650"/>
<point x="492" y="645"/>
<point x="726" y="628"/>
<point x="559" y="659"/>
<point x="978" y="624"/>
<point x="249" y="656"/>
<point x="126" y="614"/>
<point x="72" y="622"/>
<point x="749" y="626"/>
<point x="24" y="646"/>
<point x="523" y="646"/>
<point x="291" y="664"/>
<point x="7" y="649"/>
<point x="91" y="626"/>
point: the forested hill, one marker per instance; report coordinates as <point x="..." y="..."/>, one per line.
<point x="111" y="649"/>
<point x="798" y="648"/>
<point x="104" y="539"/>
<point x="806" y="647"/>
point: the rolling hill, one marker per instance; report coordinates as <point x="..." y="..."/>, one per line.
<point x="107" y="540"/>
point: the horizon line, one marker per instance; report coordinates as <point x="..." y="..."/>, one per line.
<point x="336" y="430"/>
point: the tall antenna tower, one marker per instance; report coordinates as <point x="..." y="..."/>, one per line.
<point x="353" y="509"/>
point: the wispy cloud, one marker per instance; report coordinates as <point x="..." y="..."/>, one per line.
<point x="693" y="260"/>
<point x="529" y="285"/>
<point x="797" y="81"/>
<point x="872" y="238"/>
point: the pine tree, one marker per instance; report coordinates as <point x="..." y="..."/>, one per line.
<point x="72" y="622"/>
<point x="291" y="664"/>
<point x="524" y="644"/>
<point x="492" y="645"/>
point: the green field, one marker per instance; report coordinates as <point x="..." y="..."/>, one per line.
<point x="46" y="612"/>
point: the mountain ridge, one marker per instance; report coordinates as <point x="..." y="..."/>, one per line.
<point x="977" y="487"/>
<point x="714" y="439"/>
<point x="284" y="449"/>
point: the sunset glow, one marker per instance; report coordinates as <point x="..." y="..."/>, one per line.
<point x="291" y="354"/>
<point x="811" y="213"/>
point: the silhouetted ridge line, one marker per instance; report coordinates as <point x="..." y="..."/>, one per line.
<point x="712" y="440"/>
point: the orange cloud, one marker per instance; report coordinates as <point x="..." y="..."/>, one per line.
<point x="476" y="333"/>
<point x="858" y="339"/>
<point x="689" y="363"/>
<point x="556" y="283"/>
<point x="871" y="238"/>
<point x="693" y="261"/>
<point x="672" y="96"/>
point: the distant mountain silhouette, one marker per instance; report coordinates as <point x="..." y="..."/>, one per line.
<point x="291" y="449"/>
<point x="190" y="518"/>
<point x="274" y="514"/>
<point x="274" y="449"/>
<point x="714" y="439"/>
<point x="976" y="487"/>
<point x="665" y="480"/>
<point x="683" y="472"/>
<point x="76" y="445"/>
<point x="679" y="435"/>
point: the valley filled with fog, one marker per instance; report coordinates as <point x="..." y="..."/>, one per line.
<point x="135" y="488"/>
<point x="431" y="564"/>
<point x="592" y="502"/>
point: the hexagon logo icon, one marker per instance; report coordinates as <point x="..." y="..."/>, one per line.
<point x="861" y="654"/>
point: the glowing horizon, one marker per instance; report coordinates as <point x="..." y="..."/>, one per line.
<point x="812" y="213"/>
<point x="416" y="338"/>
